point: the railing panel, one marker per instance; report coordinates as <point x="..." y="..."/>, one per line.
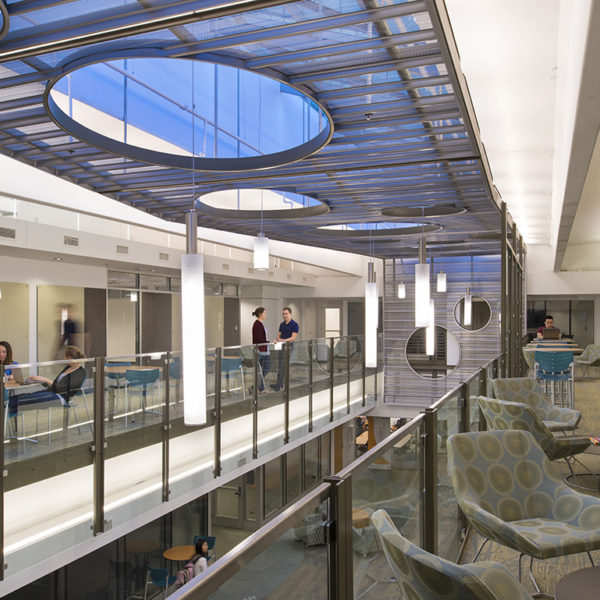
<point x="449" y="523"/>
<point x="299" y="389"/>
<point x="48" y="482"/>
<point x="135" y="397"/>
<point x="391" y="481"/>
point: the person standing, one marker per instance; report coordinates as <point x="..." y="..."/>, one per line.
<point x="260" y="337"/>
<point x="288" y="332"/>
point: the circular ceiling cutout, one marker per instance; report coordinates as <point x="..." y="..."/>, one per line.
<point x="187" y="113"/>
<point x="259" y="203"/>
<point x="416" y="212"/>
<point x="486" y="235"/>
<point x="373" y="230"/>
<point x="4" y="20"/>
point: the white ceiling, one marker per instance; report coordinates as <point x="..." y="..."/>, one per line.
<point x="509" y="55"/>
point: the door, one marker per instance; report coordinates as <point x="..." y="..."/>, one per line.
<point x="228" y="504"/>
<point x="231" y="326"/>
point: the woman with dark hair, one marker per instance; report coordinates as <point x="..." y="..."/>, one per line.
<point x="64" y="385"/>
<point x="259" y="336"/>
<point x="6" y="358"/>
<point x="200" y="559"/>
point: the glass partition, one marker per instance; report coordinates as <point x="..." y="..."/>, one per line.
<point x="299" y="389"/>
<point x="320" y="372"/>
<point x="48" y="431"/>
<point x="448" y="514"/>
<point x="390" y="480"/>
<point x="135" y="400"/>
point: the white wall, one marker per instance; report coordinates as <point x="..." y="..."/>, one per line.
<point x="14" y="318"/>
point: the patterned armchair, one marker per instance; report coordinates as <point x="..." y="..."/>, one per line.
<point x="512" y="494"/>
<point x="502" y="415"/>
<point x="590" y="357"/>
<point x="528" y="391"/>
<point x="422" y="575"/>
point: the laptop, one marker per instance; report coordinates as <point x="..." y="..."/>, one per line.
<point x="551" y="333"/>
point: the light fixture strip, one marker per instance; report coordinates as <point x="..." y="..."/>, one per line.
<point x="468" y="309"/>
<point x="422" y="288"/>
<point x="371" y="318"/>
<point x="430" y="331"/>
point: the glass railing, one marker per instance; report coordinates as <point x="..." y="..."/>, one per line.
<point x="106" y="443"/>
<point x="340" y="555"/>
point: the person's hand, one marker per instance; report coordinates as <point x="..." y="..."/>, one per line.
<point x="34" y="378"/>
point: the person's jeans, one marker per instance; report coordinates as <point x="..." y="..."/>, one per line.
<point x="264" y="360"/>
<point x="281" y="365"/>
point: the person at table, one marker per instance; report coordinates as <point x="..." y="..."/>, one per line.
<point x="200" y="559"/>
<point x="6" y="358"/>
<point x="65" y="384"/>
<point x="288" y="332"/>
<point x="260" y="337"/>
<point x="548" y="324"/>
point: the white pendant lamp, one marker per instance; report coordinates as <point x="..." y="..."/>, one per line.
<point x="371" y="318"/>
<point x="468" y="309"/>
<point x="261" y="253"/>
<point x="441" y="281"/>
<point x="430" y="331"/>
<point x="401" y="290"/>
<point x="422" y="288"/>
<point x="401" y="287"/>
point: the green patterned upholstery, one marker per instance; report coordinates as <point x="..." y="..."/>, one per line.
<point x="589" y="357"/>
<point x="529" y="391"/>
<point x="501" y="414"/>
<point x="512" y="494"/>
<point x="424" y="576"/>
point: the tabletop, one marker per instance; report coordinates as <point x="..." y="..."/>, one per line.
<point x="180" y="553"/>
<point x="13" y="386"/>
<point x="583" y="583"/>
<point x="122" y="369"/>
<point x="360" y="518"/>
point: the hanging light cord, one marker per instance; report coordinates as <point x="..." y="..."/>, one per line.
<point x="193" y="141"/>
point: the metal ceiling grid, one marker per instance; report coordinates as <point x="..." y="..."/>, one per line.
<point x="400" y="135"/>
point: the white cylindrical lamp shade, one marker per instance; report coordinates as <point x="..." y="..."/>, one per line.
<point x="430" y="331"/>
<point x="422" y="295"/>
<point x="371" y="320"/>
<point x="401" y="290"/>
<point x="468" y="314"/>
<point x="193" y="338"/>
<point x="261" y="253"/>
<point x="441" y="281"/>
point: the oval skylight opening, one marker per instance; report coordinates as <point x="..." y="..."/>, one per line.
<point x="254" y="203"/>
<point x="166" y="110"/>
<point x="414" y="212"/>
<point x="374" y="230"/>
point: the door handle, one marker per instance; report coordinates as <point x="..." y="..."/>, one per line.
<point x="239" y="491"/>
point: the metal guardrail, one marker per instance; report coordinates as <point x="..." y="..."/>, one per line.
<point x="339" y="491"/>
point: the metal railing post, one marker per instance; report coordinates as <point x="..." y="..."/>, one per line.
<point x="483" y="381"/>
<point x="339" y="538"/>
<point x="465" y="412"/>
<point x="331" y="347"/>
<point x="98" y="447"/>
<point x="364" y="376"/>
<point x="348" y="374"/>
<point x="504" y="288"/>
<point x="255" y="405"/>
<point x="166" y="427"/>
<point x="217" y="414"/>
<point x="310" y="385"/>
<point x="286" y="394"/>
<point x="430" y="492"/>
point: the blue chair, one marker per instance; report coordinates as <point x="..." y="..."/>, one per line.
<point x="175" y="373"/>
<point x="140" y="379"/>
<point x="211" y="541"/>
<point x="160" y="578"/>
<point x="231" y="365"/>
<point x="556" y="368"/>
<point x="115" y="381"/>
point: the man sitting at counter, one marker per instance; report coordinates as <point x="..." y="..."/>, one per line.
<point x="548" y="324"/>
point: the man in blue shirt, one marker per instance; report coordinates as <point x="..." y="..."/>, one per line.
<point x="288" y="332"/>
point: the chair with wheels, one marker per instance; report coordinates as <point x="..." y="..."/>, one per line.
<point x="422" y="575"/>
<point x="529" y="391"/>
<point x="160" y="578"/>
<point x="512" y="494"/>
<point x="556" y="369"/>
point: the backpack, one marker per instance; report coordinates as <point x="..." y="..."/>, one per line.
<point x="185" y="575"/>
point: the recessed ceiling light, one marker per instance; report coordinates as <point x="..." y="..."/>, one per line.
<point x="57" y="258"/>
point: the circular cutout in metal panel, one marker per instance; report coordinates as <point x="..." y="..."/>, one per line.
<point x="480" y="313"/>
<point x="416" y="212"/>
<point x="373" y="230"/>
<point x="186" y="113"/>
<point x="4" y="20"/>
<point x="436" y="362"/>
<point x="248" y="203"/>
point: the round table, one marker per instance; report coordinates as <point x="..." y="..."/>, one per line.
<point x="180" y="553"/>
<point x="579" y="584"/>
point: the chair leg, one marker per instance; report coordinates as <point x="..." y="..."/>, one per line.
<point x="481" y="548"/>
<point x="535" y="583"/>
<point x="591" y="559"/>
<point x="243" y="386"/>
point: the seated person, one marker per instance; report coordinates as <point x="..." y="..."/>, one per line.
<point x="548" y="324"/>
<point x="65" y="384"/>
<point x="6" y="358"/>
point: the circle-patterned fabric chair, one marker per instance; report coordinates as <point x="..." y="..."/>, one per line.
<point x="424" y="576"/>
<point x="501" y="414"/>
<point x="512" y="494"/>
<point x="529" y="391"/>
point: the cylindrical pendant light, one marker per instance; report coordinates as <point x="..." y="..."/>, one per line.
<point x="261" y="253"/>
<point x="422" y="288"/>
<point x="401" y="290"/>
<point x="468" y="310"/>
<point x="441" y="281"/>
<point x="192" y="331"/>
<point x="430" y="331"/>
<point x="371" y="318"/>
